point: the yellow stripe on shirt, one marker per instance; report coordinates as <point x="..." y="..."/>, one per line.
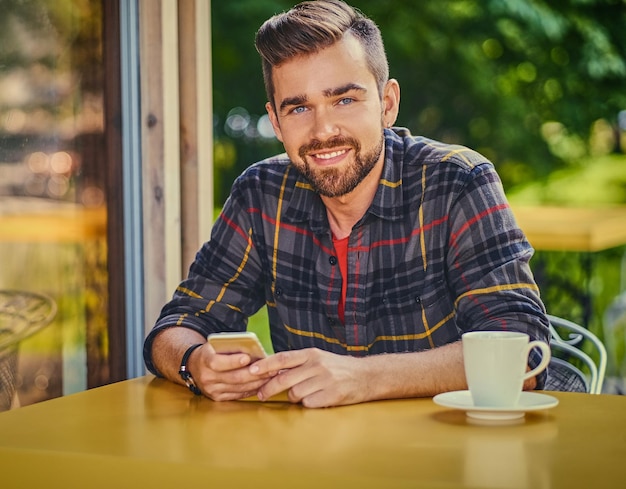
<point x="405" y="337"/>
<point x="496" y="288"/>
<point x="279" y="207"/>
<point x="235" y="276"/>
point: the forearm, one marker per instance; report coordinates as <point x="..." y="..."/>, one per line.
<point x="168" y="348"/>
<point x="420" y="374"/>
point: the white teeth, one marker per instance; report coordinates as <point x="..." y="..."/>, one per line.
<point x="328" y="156"/>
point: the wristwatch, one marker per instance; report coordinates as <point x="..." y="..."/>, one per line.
<point x="185" y="374"/>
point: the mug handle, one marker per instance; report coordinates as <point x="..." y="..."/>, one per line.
<point x="545" y="357"/>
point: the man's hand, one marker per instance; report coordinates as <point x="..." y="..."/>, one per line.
<point x="224" y="377"/>
<point x="314" y="377"/>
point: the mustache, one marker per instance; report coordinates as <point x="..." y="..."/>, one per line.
<point x="331" y="143"/>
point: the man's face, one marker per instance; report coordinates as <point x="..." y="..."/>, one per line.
<point x="329" y="116"/>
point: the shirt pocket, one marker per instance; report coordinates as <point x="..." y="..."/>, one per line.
<point x="296" y="305"/>
<point x="417" y="317"/>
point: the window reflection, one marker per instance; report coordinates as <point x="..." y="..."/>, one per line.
<point x="52" y="188"/>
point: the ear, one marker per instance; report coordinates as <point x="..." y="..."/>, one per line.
<point x="391" y="102"/>
<point x="274" y="120"/>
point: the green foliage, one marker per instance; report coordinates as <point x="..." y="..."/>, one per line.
<point x="595" y="182"/>
<point x="488" y="74"/>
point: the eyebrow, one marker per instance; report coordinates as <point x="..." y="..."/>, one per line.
<point x="290" y="101"/>
<point x="329" y="92"/>
<point x="348" y="87"/>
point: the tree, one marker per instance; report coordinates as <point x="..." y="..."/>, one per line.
<point x="514" y="79"/>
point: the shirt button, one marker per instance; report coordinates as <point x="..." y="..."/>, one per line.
<point x="278" y="292"/>
<point x="418" y="299"/>
<point x="332" y="260"/>
<point x="331" y="321"/>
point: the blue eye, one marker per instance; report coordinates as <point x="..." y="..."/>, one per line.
<point x="298" y="110"/>
<point x="346" y="101"/>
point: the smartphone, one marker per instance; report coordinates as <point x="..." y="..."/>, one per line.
<point x="238" y="342"/>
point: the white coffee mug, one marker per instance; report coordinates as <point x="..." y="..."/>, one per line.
<point x="495" y="365"/>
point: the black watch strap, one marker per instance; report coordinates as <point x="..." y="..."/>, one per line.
<point x="184" y="372"/>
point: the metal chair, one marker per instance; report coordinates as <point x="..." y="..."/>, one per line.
<point x="564" y="370"/>
<point x="21" y="315"/>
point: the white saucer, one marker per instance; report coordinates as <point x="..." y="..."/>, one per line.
<point x="529" y="401"/>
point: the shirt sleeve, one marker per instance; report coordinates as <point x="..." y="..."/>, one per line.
<point x="488" y="263"/>
<point x="223" y="287"/>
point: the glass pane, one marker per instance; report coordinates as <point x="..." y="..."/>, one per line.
<point x="52" y="200"/>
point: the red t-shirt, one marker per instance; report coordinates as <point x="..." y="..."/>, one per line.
<point x="341" y="247"/>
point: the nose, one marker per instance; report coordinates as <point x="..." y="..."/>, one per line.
<point x="324" y="125"/>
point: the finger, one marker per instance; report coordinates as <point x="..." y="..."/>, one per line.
<point x="224" y="373"/>
<point x="227" y="392"/>
<point x="283" y="381"/>
<point x="312" y="393"/>
<point x="226" y="376"/>
<point x="319" y="399"/>
<point x="230" y="392"/>
<point x="278" y="362"/>
<point x="224" y="362"/>
<point x="236" y="376"/>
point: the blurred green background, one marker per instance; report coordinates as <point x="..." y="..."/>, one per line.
<point x="536" y="86"/>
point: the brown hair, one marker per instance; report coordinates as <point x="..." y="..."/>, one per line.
<point x="314" y="25"/>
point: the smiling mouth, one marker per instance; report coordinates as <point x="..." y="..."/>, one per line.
<point x="332" y="154"/>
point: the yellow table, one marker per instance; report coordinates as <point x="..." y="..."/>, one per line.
<point x="572" y="229"/>
<point x="150" y="433"/>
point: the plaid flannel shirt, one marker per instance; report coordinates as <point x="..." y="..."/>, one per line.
<point x="437" y="254"/>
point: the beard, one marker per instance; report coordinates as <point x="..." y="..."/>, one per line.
<point x="335" y="182"/>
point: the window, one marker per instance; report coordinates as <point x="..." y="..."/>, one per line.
<point x="55" y="169"/>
